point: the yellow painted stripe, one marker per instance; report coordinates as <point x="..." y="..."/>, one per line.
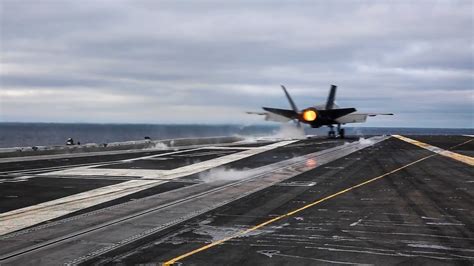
<point x="242" y="233"/>
<point x="456" y="156"/>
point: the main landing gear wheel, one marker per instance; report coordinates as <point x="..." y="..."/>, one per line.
<point x="342" y="133"/>
<point x="332" y="134"/>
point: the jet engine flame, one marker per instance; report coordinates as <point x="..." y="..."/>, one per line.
<point x="309" y="115"/>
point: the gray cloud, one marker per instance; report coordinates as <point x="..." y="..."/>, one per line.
<point x="209" y="61"/>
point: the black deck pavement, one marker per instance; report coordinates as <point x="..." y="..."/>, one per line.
<point x="419" y="215"/>
<point x="452" y="143"/>
<point x="25" y="165"/>
<point x="172" y="161"/>
<point x="20" y="194"/>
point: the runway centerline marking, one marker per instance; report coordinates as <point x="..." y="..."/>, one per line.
<point x="244" y="232"/>
<point x="456" y="156"/>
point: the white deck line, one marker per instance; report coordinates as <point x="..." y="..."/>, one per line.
<point x="28" y="216"/>
<point x="159" y="155"/>
<point x="167" y="174"/>
<point x="231" y="148"/>
<point x="100" y="153"/>
<point x="25" y="217"/>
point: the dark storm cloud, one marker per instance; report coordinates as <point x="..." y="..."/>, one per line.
<point x="209" y="61"/>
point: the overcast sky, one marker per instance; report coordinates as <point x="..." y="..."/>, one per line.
<point x="210" y="61"/>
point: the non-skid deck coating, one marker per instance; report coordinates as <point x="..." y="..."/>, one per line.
<point x="421" y="214"/>
<point x="449" y="142"/>
<point x="19" y="164"/>
<point x="140" y="180"/>
<point x="173" y="161"/>
<point x="390" y="202"/>
<point x="26" y="192"/>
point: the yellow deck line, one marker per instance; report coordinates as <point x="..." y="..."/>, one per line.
<point x="244" y="232"/>
<point x="456" y="156"/>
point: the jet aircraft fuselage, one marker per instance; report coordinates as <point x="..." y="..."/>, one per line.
<point x="328" y="114"/>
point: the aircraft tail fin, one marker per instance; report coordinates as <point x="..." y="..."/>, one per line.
<point x="293" y="105"/>
<point x="331" y="97"/>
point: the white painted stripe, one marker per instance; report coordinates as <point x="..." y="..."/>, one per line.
<point x="25" y="217"/>
<point x="101" y="153"/>
<point x="74" y="155"/>
<point x="472" y="136"/>
<point x="87" y="165"/>
<point x="232" y="148"/>
<point x="159" y="155"/>
<point x="16" y="179"/>
<point x="169" y="174"/>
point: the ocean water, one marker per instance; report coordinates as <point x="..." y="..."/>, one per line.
<point x="47" y="134"/>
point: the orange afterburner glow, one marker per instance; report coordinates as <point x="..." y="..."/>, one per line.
<point x="309" y="115"/>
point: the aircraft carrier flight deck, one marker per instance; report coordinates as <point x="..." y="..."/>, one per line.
<point x="378" y="200"/>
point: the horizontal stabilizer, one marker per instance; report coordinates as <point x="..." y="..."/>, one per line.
<point x="282" y="112"/>
<point x="357" y="117"/>
<point x="269" y="116"/>
<point x="375" y="114"/>
<point x="256" y="113"/>
<point x="336" y="113"/>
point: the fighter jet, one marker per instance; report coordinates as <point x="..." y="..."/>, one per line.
<point x="328" y="114"/>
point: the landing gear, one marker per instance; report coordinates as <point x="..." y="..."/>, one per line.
<point x="331" y="133"/>
<point x="341" y="131"/>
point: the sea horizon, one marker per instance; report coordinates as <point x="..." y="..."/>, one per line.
<point x="27" y="134"/>
<point x="268" y="124"/>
